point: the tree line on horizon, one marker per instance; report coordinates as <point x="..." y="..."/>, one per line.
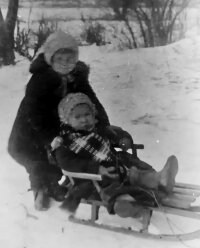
<point x="155" y="18"/>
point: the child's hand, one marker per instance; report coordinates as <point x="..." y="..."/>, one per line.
<point x="108" y="172"/>
<point x="57" y="141"/>
<point x="125" y="143"/>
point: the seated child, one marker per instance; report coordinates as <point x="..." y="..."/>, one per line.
<point x="85" y="148"/>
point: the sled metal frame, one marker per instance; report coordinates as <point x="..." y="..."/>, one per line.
<point x="181" y="191"/>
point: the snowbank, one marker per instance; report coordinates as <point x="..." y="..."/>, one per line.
<point x="154" y="94"/>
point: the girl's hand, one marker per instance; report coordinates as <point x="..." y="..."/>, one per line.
<point x="57" y="141"/>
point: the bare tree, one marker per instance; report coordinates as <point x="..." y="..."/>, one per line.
<point x="7" y="27"/>
<point x="159" y="19"/>
<point x="156" y="18"/>
<point x="121" y="9"/>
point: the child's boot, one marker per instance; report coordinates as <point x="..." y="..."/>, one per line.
<point x="165" y="179"/>
<point x="41" y="199"/>
<point x="70" y="204"/>
<point x="168" y="174"/>
<point x="57" y="192"/>
<point x="126" y="209"/>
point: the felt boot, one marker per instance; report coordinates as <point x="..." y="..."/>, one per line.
<point x="164" y="180"/>
<point x="57" y="192"/>
<point x="168" y="174"/>
<point x="41" y="199"/>
<point x="70" y="204"/>
<point x="126" y="209"/>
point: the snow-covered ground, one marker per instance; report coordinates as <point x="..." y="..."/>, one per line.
<point x="154" y="94"/>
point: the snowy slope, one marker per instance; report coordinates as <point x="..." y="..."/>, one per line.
<point x="154" y="94"/>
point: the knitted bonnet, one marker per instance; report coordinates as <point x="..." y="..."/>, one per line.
<point x="58" y="40"/>
<point x="68" y="103"/>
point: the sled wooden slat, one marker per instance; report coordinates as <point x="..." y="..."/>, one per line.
<point x="88" y="176"/>
<point x="195" y="208"/>
<point x="185" y="191"/>
<point x="187" y="186"/>
<point x="189" y="198"/>
<point x="188" y="213"/>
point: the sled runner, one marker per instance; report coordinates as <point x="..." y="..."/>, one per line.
<point x="186" y="194"/>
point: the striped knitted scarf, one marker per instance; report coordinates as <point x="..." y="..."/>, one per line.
<point x="88" y="145"/>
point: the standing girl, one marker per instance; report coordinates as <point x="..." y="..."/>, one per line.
<point x="56" y="72"/>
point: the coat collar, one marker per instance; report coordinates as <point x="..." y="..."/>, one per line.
<point x="39" y="65"/>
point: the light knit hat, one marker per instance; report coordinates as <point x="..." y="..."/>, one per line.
<point x="68" y="103"/>
<point x="58" y="40"/>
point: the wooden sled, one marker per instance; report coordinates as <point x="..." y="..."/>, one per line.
<point x="187" y="193"/>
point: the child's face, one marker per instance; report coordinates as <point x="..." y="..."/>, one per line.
<point x="82" y="118"/>
<point x="64" y="61"/>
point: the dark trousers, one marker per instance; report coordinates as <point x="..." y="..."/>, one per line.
<point x="41" y="172"/>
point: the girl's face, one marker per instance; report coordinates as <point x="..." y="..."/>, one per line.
<point x="82" y="118"/>
<point x="64" y="61"/>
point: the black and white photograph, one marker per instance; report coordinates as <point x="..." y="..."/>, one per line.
<point x="100" y="123"/>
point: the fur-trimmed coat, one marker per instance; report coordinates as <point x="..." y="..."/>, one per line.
<point x="37" y="121"/>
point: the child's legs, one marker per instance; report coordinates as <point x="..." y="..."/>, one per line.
<point x="41" y="172"/>
<point x="152" y="179"/>
<point x="130" y="161"/>
<point x="141" y="165"/>
<point x="147" y="178"/>
<point x="83" y="189"/>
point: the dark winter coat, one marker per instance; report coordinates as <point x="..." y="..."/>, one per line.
<point x="71" y="161"/>
<point x="37" y="121"/>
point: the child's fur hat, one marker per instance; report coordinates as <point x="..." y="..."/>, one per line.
<point x="68" y="103"/>
<point x="58" y="40"/>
